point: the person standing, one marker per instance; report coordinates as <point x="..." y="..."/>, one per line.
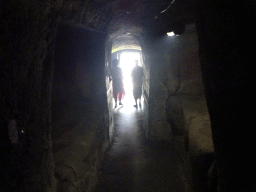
<point x="118" y="86"/>
<point x="137" y="81"/>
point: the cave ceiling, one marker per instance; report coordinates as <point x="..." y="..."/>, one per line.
<point x="125" y="19"/>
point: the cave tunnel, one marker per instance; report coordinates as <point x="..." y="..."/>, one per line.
<point x="60" y="131"/>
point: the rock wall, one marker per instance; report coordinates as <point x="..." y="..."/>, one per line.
<point x="174" y="69"/>
<point x="109" y="88"/>
<point x="177" y="108"/>
<point x="189" y="116"/>
<point x="227" y="62"/>
<point x="26" y="68"/>
<point x="79" y="107"/>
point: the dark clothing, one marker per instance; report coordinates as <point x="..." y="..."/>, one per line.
<point x="137" y="80"/>
<point x="118" y="87"/>
<point x="137" y="92"/>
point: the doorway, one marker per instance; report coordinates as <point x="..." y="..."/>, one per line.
<point x="127" y="63"/>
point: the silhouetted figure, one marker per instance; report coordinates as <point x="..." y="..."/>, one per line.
<point x="137" y="80"/>
<point x="118" y="86"/>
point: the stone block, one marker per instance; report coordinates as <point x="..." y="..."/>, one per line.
<point x="77" y="149"/>
<point x="198" y="126"/>
<point x="175" y="116"/>
<point x="200" y="136"/>
<point x="66" y="186"/>
<point x="64" y="172"/>
<point x="199" y="140"/>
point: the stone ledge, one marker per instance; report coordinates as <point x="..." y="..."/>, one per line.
<point x="198" y="126"/>
<point x="200" y="136"/>
<point x="78" y="148"/>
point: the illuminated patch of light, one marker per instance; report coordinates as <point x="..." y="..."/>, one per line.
<point x="170" y="33"/>
<point x="127" y="62"/>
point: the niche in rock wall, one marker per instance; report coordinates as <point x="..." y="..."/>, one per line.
<point x="79" y="63"/>
<point x="79" y="119"/>
<point x="78" y="80"/>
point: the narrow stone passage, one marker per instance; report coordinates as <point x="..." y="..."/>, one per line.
<point x="134" y="165"/>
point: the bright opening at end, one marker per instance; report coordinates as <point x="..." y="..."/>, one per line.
<point x="127" y="63"/>
<point x="170" y="33"/>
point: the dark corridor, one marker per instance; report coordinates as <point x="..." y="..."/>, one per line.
<point x="56" y="113"/>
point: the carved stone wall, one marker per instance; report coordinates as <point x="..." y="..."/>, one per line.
<point x="177" y="108"/>
<point x="174" y="70"/>
<point x="79" y="107"/>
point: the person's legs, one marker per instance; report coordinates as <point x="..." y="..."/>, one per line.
<point x="135" y="95"/>
<point x="120" y="92"/>
<point x="120" y="99"/>
<point x="115" y="102"/>
<point x="115" y="92"/>
<point x="120" y="96"/>
<point x="115" y="98"/>
<point x="135" y="103"/>
<point x="139" y="95"/>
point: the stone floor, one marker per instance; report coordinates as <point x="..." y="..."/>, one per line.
<point x="133" y="164"/>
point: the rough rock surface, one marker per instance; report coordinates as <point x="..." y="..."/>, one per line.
<point x="78" y="146"/>
<point x="191" y="123"/>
